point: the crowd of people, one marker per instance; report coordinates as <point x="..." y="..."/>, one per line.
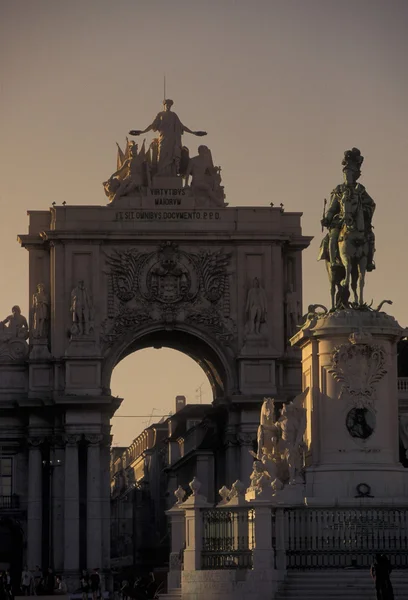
<point x="46" y="583"/>
<point x="39" y="583"/>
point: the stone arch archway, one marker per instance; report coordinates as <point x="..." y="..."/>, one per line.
<point x="160" y="269"/>
<point x="216" y="362"/>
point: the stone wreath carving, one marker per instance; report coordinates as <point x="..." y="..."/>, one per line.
<point x="167" y="285"/>
<point x="359" y="366"/>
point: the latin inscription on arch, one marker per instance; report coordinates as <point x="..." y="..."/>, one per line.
<point x="167" y="215"/>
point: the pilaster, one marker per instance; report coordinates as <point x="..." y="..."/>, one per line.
<point x="94" y="504"/>
<point x="71" y="504"/>
<point x="34" y="509"/>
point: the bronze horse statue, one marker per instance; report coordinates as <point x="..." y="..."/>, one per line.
<point x="339" y="293"/>
<point x="353" y="245"/>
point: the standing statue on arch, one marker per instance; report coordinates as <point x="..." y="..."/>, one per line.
<point x="170" y="130"/>
<point x="349" y="247"/>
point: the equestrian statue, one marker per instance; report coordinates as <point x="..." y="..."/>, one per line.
<point x="348" y="247"/>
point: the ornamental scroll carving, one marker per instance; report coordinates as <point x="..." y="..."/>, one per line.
<point x="359" y="366"/>
<point x="168" y="285"/>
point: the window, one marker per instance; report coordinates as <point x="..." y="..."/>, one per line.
<point x="6" y="467"/>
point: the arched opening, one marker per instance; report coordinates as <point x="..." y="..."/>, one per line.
<point x="153" y="451"/>
<point x="214" y="358"/>
<point x="149" y="381"/>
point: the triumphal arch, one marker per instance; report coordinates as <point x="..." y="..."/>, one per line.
<point x="164" y="261"/>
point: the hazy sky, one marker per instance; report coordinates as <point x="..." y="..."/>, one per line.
<point x="282" y="87"/>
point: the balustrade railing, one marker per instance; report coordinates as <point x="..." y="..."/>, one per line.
<point x="228" y="538"/>
<point x="403" y="384"/>
<point x="9" y="502"/>
<point x="332" y="538"/>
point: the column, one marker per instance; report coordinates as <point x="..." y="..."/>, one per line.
<point x="57" y="496"/>
<point x="246" y="439"/>
<point x="34" y="508"/>
<point x="106" y="516"/>
<point x="232" y="458"/>
<point x="93" y="504"/>
<point x="71" y="504"/>
<point x="276" y="315"/>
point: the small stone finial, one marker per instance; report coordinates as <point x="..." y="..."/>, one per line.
<point x="180" y="494"/>
<point x="195" y="486"/>
<point x="237" y="489"/>
<point x="224" y="492"/>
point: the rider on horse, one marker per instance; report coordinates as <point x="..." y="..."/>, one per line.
<point x="335" y="216"/>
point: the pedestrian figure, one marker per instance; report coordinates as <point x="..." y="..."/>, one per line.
<point x="49" y="582"/>
<point x="37" y="580"/>
<point x="124" y="589"/>
<point x="380" y="571"/>
<point x="95" y="581"/>
<point x="26" y="581"/>
<point x="3" y="593"/>
<point x="61" y="586"/>
<point x="7" y="585"/>
<point x="85" y="584"/>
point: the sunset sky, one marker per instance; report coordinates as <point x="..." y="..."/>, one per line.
<point x="282" y="87"/>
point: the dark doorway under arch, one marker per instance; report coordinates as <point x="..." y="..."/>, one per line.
<point x="11" y="549"/>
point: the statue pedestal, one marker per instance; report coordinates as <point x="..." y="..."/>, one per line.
<point x="257" y="344"/>
<point x="82" y="345"/>
<point x="174" y="183"/>
<point x="39" y="350"/>
<point x="349" y="364"/>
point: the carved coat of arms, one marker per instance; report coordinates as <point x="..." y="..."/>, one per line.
<point x="167" y="285"/>
<point x="359" y="366"/>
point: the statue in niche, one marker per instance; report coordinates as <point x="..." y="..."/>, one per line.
<point x="349" y="247"/>
<point x="40" y="305"/>
<point x="82" y="310"/>
<point x="292" y="426"/>
<point x="360" y="423"/>
<point x="256" y="308"/>
<point x="131" y="174"/>
<point x="14" y="326"/>
<point x="293" y="313"/>
<point x="206" y="179"/>
<point x="170" y="130"/>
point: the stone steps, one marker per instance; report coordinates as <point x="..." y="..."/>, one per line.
<point x="338" y="584"/>
<point x="172" y="594"/>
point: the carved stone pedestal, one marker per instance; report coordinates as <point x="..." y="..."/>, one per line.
<point x="80" y="346"/>
<point x="349" y="364"/>
<point x="257" y="345"/>
<point x="39" y="350"/>
<point x="167" y="183"/>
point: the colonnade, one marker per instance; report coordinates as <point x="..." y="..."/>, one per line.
<point x="67" y="552"/>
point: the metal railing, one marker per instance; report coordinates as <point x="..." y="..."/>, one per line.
<point x="228" y="538"/>
<point x="333" y="538"/>
<point x="9" y="502"/>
